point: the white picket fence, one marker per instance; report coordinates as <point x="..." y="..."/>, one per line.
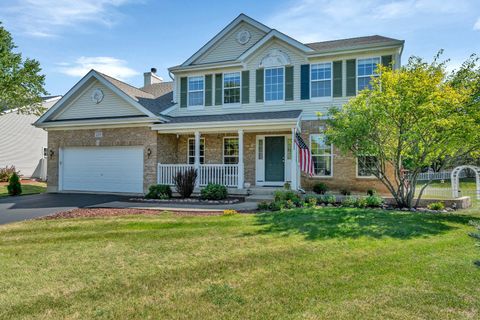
<point x="224" y="174"/>
<point x="442" y="175"/>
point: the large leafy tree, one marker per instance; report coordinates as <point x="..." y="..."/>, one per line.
<point x="411" y="118"/>
<point x="21" y="84"/>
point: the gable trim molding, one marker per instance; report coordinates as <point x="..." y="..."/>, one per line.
<point x="241" y="18"/>
<point x="92" y="74"/>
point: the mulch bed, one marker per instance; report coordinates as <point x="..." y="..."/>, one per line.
<point x="196" y="200"/>
<point x="113" y="212"/>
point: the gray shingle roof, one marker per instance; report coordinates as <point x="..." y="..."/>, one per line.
<point x="272" y="115"/>
<point x="155" y="98"/>
<point x="352" y="43"/>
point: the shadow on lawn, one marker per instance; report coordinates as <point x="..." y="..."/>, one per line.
<point x="353" y="223"/>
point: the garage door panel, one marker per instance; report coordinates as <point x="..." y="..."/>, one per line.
<point x="107" y="169"/>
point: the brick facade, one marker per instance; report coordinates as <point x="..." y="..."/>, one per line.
<point x="135" y="136"/>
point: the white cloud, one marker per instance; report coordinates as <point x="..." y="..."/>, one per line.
<point x="317" y="20"/>
<point x="113" y="67"/>
<point x="49" y="18"/>
<point x="476" y="26"/>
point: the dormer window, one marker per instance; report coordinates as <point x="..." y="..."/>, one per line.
<point x="366" y="69"/>
<point x="231" y="88"/>
<point x="274" y="84"/>
<point x="196" y="91"/>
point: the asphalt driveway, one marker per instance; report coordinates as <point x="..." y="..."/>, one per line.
<point x="32" y="206"/>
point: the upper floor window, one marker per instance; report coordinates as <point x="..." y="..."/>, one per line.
<point x="274" y="84"/>
<point x="231" y="88"/>
<point x="230" y="150"/>
<point x="191" y="150"/>
<point x="321" y="80"/>
<point x="195" y="91"/>
<point x="322" y="155"/>
<point x="366" y="69"/>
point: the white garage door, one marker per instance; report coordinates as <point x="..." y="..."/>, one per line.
<point x="108" y="169"/>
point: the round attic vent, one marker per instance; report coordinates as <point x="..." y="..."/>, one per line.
<point x="243" y="36"/>
<point x="97" y="96"/>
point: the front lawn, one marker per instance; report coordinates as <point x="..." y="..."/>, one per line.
<point x="30" y="187"/>
<point x="304" y="264"/>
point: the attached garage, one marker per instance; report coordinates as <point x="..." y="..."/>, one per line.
<point x="102" y="169"/>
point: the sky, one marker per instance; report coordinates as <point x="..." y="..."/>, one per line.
<point x="124" y="38"/>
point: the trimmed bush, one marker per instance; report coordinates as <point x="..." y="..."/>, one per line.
<point x="374" y="201"/>
<point x="14" y="186"/>
<point x="349" y="201"/>
<point x="275" y="206"/>
<point x="185" y="182"/>
<point x="371" y="192"/>
<point x="214" y="191"/>
<point x="310" y="201"/>
<point x="264" y="205"/>
<point x="345" y="192"/>
<point x="320" y="188"/>
<point x="436" y="206"/>
<point x="285" y="195"/>
<point x="6" y="173"/>
<point x="327" y="199"/>
<point x="159" y="191"/>
<point x="361" y="203"/>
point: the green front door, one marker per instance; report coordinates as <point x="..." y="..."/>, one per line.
<point x="274" y="159"/>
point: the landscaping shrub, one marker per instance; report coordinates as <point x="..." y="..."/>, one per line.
<point x="310" y="201"/>
<point x="275" y="206"/>
<point x="374" y="201"/>
<point x="371" y="192"/>
<point x="285" y="195"/>
<point x="361" y="203"/>
<point x="264" y="205"/>
<point x="345" y="192"/>
<point x="14" y="186"/>
<point x="214" y="192"/>
<point x="287" y="186"/>
<point x="328" y="199"/>
<point x="185" y="182"/>
<point x="320" y="188"/>
<point x="6" y="173"/>
<point x="159" y="191"/>
<point x="288" y="204"/>
<point x="436" y="206"/>
<point x="349" y="201"/>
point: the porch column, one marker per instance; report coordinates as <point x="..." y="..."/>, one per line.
<point x="197" y="158"/>
<point x="241" y="167"/>
<point x="294" y="164"/>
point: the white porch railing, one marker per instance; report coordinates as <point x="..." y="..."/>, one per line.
<point x="224" y="174"/>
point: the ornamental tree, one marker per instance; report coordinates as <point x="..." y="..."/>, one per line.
<point x="21" y="84"/>
<point x="411" y="118"/>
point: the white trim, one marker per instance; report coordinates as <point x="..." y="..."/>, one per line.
<point x="272" y="102"/>
<point x="92" y="74"/>
<point x="331" y="155"/>
<point x="223" y="148"/>
<point x="241" y="18"/>
<point x="275" y="33"/>
<point x="97" y="122"/>
<point x="231" y="105"/>
<point x="356" y="69"/>
<point x="327" y="98"/>
<point x="352" y="50"/>
<point x="197" y="106"/>
<point x="188" y="150"/>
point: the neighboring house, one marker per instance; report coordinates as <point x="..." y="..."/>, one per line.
<point x="22" y="145"/>
<point x="231" y="111"/>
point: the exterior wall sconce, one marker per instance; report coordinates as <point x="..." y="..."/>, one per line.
<point x="52" y="153"/>
<point x="149" y="152"/>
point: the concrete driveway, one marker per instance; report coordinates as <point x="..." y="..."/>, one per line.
<point x="28" y="207"/>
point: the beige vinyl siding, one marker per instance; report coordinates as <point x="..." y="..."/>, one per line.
<point x="83" y="107"/>
<point x="228" y="48"/>
<point x="22" y="144"/>
<point x="310" y="107"/>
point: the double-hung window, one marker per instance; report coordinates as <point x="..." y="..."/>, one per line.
<point x="366" y="69"/>
<point x="231" y="88"/>
<point x="230" y="150"/>
<point x="195" y="91"/>
<point x="322" y="155"/>
<point x="274" y="84"/>
<point x="191" y="150"/>
<point x="366" y="166"/>
<point x="321" y="80"/>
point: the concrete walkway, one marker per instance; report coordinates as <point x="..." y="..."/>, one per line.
<point x="27" y="207"/>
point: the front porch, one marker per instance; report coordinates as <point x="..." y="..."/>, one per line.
<point x="234" y="154"/>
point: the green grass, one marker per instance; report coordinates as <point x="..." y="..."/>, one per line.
<point x="27" y="188"/>
<point x="303" y="264"/>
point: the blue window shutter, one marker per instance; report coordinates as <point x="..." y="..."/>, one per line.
<point x="183" y="92"/>
<point x="305" y="82"/>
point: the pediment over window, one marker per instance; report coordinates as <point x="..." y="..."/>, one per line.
<point x="275" y="58"/>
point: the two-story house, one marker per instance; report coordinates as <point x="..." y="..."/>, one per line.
<point x="231" y="111"/>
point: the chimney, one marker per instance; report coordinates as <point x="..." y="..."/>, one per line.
<point x="151" y="77"/>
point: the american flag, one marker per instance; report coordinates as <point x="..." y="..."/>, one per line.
<point x="306" y="161"/>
